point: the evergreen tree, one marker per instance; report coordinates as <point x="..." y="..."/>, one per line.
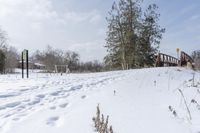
<point x="150" y="36"/>
<point x="121" y="36"/>
<point x="133" y="36"/>
<point x="2" y="61"/>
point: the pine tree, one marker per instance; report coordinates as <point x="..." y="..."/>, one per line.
<point x="150" y="35"/>
<point x="121" y="35"/>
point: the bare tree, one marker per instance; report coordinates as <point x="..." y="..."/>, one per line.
<point x="51" y="57"/>
<point x="91" y="66"/>
<point x="72" y="59"/>
<point x="10" y="53"/>
<point x="11" y="60"/>
<point x="3" y="39"/>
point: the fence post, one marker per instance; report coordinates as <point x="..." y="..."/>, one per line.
<point x="22" y="59"/>
<point x="27" y="64"/>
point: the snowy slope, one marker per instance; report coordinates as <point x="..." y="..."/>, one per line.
<point x="66" y="104"/>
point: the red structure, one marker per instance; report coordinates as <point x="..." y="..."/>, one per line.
<point x="185" y="58"/>
<point x="167" y="60"/>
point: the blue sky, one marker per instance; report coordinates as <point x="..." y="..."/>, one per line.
<point x="181" y="18"/>
<point x="81" y="26"/>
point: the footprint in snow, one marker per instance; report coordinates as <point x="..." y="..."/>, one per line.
<point x="63" y="105"/>
<point x="23" y="90"/>
<point x="40" y="96"/>
<point x="10" y="105"/>
<point x="74" y="88"/>
<point x="56" y="93"/>
<point x="52" y="121"/>
<point x="9" y="95"/>
<point x="19" y="117"/>
<point x="8" y="115"/>
<point x="83" y="97"/>
<point x="52" y="108"/>
<point x="16" y="119"/>
<point x="26" y="100"/>
<point x="33" y="102"/>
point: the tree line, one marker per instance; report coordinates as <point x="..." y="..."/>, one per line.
<point x="10" y="58"/>
<point x="8" y="54"/>
<point x="51" y="57"/>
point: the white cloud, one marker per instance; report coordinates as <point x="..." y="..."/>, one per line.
<point x="25" y="13"/>
<point x="187" y="9"/>
<point x="32" y="9"/>
<point x="95" y="18"/>
<point x="90" y="50"/>
<point x="32" y="24"/>
<point x="195" y="17"/>
<point x="78" y="17"/>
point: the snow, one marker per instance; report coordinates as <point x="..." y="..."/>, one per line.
<point x="39" y="64"/>
<point x="51" y="103"/>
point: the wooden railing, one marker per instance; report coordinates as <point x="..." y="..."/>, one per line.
<point x="184" y="58"/>
<point x="168" y="60"/>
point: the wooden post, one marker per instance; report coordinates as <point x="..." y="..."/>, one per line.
<point x="27" y="65"/>
<point x="22" y="65"/>
<point x="56" y="69"/>
<point x="158" y="60"/>
<point x="24" y="57"/>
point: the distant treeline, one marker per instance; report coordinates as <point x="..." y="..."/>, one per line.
<point x="10" y="58"/>
<point x="51" y="57"/>
<point x="8" y="54"/>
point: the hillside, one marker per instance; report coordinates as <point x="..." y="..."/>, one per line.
<point x="66" y="104"/>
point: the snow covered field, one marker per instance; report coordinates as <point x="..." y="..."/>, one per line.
<point x="66" y="104"/>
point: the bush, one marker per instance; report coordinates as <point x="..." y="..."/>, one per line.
<point x="100" y="125"/>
